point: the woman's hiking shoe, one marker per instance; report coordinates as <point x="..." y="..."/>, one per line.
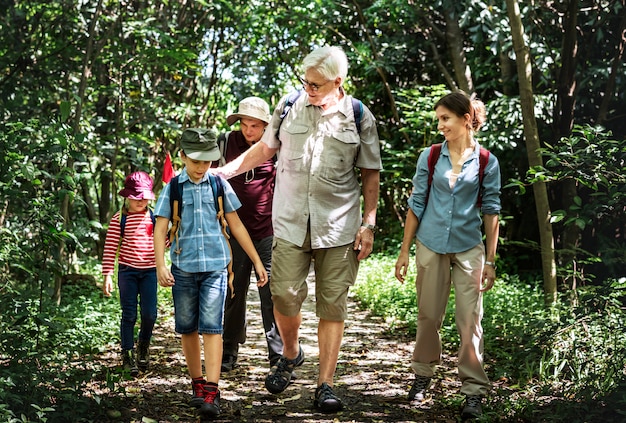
<point x="419" y="387"/>
<point x="473" y="407"/>
<point x="326" y="400"/>
<point x="279" y="376"/>
<point x="197" y="397"/>
<point x="143" y="354"/>
<point x="211" y="405"/>
<point x="128" y="362"/>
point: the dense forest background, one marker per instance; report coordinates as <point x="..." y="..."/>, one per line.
<point x="91" y="90"/>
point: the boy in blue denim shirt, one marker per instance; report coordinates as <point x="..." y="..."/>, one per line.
<point x="199" y="276"/>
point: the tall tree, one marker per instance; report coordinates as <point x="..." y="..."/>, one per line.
<point x="531" y="135"/>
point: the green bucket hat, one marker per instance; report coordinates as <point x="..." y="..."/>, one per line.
<point x="200" y="144"/>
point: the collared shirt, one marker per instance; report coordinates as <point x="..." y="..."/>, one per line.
<point x="254" y="188"/>
<point x="450" y="221"/>
<point x="316" y="181"/>
<point x="200" y="239"/>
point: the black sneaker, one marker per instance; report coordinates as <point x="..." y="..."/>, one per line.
<point x="279" y="376"/>
<point x="128" y="362"/>
<point x="229" y="362"/>
<point x="326" y="400"/>
<point x="419" y="387"/>
<point x="143" y="354"/>
<point x="197" y="397"/>
<point x="473" y="407"/>
<point x="211" y="405"/>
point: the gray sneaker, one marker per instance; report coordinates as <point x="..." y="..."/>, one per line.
<point x="419" y="387"/>
<point x="473" y="407"/>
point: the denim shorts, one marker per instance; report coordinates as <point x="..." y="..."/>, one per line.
<point x="199" y="301"/>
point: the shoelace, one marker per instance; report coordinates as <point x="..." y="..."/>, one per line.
<point x="283" y="366"/>
<point x="210" y="396"/>
<point x="198" y="389"/>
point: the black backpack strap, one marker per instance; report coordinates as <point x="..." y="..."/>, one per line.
<point x="357" y="108"/>
<point x="291" y="99"/>
<point x="222" y="142"/>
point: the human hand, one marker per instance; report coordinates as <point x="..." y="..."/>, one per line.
<point x="364" y="242"/>
<point x="107" y="286"/>
<point x="488" y="279"/>
<point x="165" y="277"/>
<point x="261" y="273"/>
<point x="402" y="266"/>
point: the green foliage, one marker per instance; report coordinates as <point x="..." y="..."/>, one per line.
<point x="46" y="352"/>
<point x="578" y="353"/>
<point x="597" y="163"/>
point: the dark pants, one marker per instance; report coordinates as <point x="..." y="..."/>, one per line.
<point x="235" y="309"/>
<point x="134" y="283"/>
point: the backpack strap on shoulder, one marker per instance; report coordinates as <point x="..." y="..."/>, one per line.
<point x="222" y="141"/>
<point x="483" y="159"/>
<point x="357" y="108"/>
<point x="218" y="194"/>
<point x="291" y="99"/>
<point x="176" y="207"/>
<point x="433" y="157"/>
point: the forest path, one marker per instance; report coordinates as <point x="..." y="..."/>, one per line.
<point x="372" y="378"/>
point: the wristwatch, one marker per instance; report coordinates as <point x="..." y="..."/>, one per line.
<point x="491" y="263"/>
<point x="369" y="226"/>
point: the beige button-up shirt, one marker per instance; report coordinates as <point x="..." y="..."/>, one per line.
<point x="316" y="180"/>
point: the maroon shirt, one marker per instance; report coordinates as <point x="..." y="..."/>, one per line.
<point x="254" y="188"/>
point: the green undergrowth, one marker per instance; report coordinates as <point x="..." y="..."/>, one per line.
<point x="559" y="361"/>
<point x="47" y="371"/>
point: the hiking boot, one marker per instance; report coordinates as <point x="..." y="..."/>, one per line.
<point x="279" y="376"/>
<point x="128" y="362"/>
<point x="326" y="400"/>
<point x="143" y="354"/>
<point x="229" y="362"/>
<point x="211" y="405"/>
<point x="473" y="407"/>
<point x="197" y="398"/>
<point x="419" y="387"/>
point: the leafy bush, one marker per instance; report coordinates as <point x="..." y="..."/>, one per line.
<point x="563" y="352"/>
<point x="46" y="352"/>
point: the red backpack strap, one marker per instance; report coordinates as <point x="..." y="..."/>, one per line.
<point x="433" y="156"/>
<point x="482" y="163"/>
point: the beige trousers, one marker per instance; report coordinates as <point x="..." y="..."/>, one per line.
<point x="435" y="273"/>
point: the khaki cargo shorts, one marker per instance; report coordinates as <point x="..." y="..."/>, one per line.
<point x="335" y="271"/>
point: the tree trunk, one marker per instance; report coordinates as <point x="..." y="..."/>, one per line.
<point x="531" y="134"/>
<point x="564" y="121"/>
<point x="609" y="91"/>
<point x="454" y="39"/>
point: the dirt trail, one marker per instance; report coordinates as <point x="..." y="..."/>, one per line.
<point x="372" y="377"/>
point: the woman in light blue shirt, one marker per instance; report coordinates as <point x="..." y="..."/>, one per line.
<point x="451" y="189"/>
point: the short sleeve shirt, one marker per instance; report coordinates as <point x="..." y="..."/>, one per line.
<point x="202" y="245"/>
<point x="316" y="181"/>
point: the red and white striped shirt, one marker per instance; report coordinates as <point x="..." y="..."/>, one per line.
<point x="137" y="249"/>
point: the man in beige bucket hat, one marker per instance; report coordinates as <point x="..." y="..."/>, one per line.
<point x="255" y="190"/>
